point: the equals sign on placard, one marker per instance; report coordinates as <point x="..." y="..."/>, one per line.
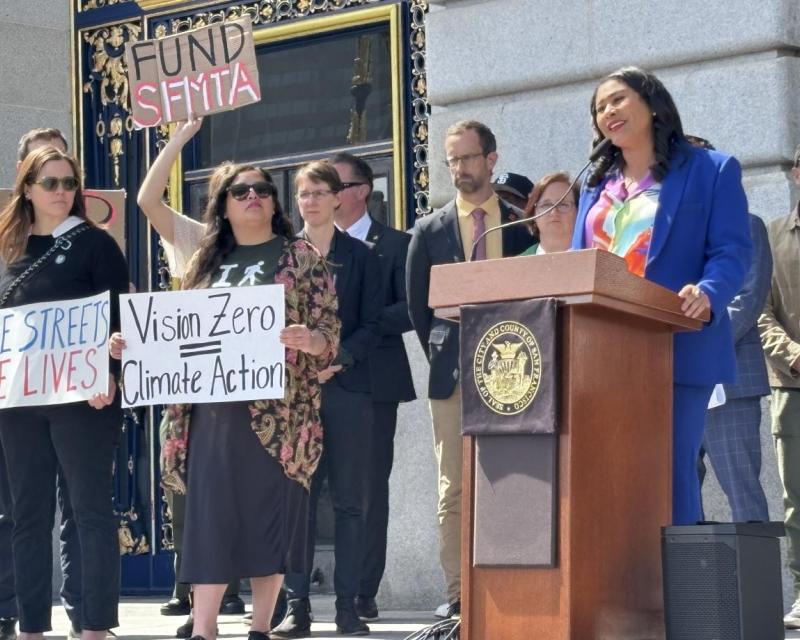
<point x="200" y="348"/>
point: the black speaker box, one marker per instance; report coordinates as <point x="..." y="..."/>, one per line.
<point x="722" y="581"/>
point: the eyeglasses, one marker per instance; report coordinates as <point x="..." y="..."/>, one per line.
<point x="241" y="190"/>
<point x="453" y="162"/>
<point x="305" y="196"/>
<point x="561" y="207"/>
<point x="50" y="183"/>
<point x="347" y="185"/>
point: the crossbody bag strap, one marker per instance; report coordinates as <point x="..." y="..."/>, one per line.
<point x="62" y="243"/>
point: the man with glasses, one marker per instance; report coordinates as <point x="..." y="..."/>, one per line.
<point x="445" y="236"/>
<point x="779" y="326"/>
<point x="390" y="372"/>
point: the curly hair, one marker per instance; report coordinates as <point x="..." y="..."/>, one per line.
<point x="667" y="127"/>
<point x="219" y="240"/>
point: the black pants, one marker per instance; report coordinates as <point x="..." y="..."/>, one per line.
<point x="347" y="430"/>
<point x="70" y="550"/>
<point x="377" y="513"/>
<point x="82" y="441"/>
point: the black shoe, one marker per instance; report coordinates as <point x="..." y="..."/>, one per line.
<point x="281" y="607"/>
<point x="347" y="621"/>
<point x="366" y="608"/>
<point x="185" y="630"/>
<point x="257" y="635"/>
<point x="297" y="623"/>
<point x="231" y="606"/>
<point x="448" y="610"/>
<point x="8" y="629"/>
<point x="176" y="607"/>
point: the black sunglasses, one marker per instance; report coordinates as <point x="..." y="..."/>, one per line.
<point x="50" y="183"/>
<point x="241" y="190"/>
<point x="347" y="185"/>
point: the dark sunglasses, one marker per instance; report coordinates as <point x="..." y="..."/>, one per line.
<point x="241" y="190"/>
<point x="50" y="183"/>
<point x="347" y="185"/>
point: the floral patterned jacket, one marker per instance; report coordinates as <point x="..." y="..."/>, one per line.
<point x="290" y="429"/>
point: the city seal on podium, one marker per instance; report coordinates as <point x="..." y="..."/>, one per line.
<point x="507" y="367"/>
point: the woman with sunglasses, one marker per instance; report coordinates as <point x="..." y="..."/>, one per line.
<point x="51" y="252"/>
<point x="246" y="467"/>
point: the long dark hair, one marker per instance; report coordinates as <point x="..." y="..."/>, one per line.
<point x="667" y="127"/>
<point x="219" y="240"/>
<point x="17" y="218"/>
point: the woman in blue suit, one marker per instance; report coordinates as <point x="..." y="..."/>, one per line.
<point x="678" y="216"/>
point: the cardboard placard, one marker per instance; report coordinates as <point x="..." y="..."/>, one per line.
<point x="104" y="207"/>
<point x="194" y="73"/>
<point x="205" y="345"/>
<point x="54" y="352"/>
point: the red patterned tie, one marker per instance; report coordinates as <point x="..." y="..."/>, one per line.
<point x="478" y="229"/>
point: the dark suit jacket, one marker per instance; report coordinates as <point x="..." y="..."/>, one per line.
<point x="436" y="239"/>
<point x="357" y="277"/>
<point x="390" y="371"/>
<point x="700" y="236"/>
<point x="744" y="309"/>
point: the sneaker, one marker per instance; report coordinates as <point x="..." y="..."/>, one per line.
<point x="176" y="607"/>
<point x="75" y="634"/>
<point x="367" y="608"/>
<point x="792" y="619"/>
<point x="448" y="610"/>
<point x="8" y="629"/>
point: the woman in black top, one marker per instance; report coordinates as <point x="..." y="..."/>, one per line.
<point x="81" y="436"/>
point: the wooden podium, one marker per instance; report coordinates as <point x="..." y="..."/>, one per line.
<point x="614" y="460"/>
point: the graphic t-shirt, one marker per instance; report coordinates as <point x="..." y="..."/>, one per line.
<point x="249" y="265"/>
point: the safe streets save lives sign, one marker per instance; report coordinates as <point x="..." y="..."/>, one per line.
<point x="54" y="352"/>
<point x="205" y="345"/>
<point x="193" y="73"/>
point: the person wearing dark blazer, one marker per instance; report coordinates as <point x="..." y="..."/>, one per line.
<point x="443" y="237"/>
<point x="678" y="216"/>
<point x="346" y="409"/>
<point x="390" y="372"/>
<point x="732" y="435"/>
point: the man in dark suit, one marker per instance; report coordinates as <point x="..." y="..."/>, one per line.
<point x="446" y="236"/>
<point x="732" y="439"/>
<point x="390" y="372"/>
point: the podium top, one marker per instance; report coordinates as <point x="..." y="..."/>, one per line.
<point x="591" y="276"/>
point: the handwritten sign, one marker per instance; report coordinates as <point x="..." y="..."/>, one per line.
<point x="207" y="345"/>
<point x="192" y="73"/>
<point x="104" y="207"/>
<point x="54" y="352"/>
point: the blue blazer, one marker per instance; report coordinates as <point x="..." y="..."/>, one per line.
<point x="700" y="236"/>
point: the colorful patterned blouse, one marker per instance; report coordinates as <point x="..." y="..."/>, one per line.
<point x="622" y="222"/>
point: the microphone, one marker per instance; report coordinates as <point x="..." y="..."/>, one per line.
<point x="598" y="150"/>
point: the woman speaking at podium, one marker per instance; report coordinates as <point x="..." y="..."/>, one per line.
<point x="678" y="216"/>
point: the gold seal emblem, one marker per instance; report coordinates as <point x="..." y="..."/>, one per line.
<point x="507" y="368"/>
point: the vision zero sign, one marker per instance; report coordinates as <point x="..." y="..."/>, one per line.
<point x="205" y="345"/>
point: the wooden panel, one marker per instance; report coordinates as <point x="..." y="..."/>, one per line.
<point x="615" y="493"/>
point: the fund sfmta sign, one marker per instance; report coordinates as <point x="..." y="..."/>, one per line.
<point x="193" y="73"/>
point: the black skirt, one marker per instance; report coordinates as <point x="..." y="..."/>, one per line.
<point x="244" y="517"/>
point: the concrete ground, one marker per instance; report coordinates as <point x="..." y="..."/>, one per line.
<point x="141" y="620"/>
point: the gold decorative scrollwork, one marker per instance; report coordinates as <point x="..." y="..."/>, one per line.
<point x="88" y="5"/>
<point x="109" y="77"/>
